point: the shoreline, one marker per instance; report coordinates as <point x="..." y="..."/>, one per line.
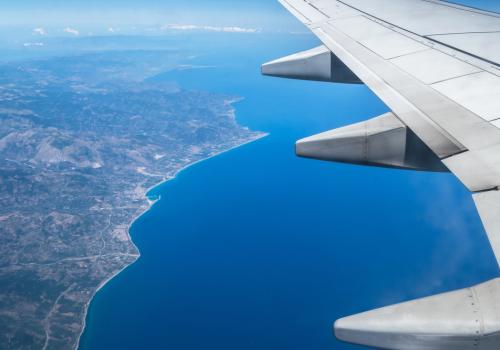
<point x="146" y="208"/>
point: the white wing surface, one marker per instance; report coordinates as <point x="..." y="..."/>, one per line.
<point x="436" y="65"/>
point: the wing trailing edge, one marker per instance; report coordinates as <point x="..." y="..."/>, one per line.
<point x="488" y="206"/>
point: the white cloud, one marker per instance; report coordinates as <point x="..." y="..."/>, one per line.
<point x="111" y="29"/>
<point x="210" y="28"/>
<point x="71" y="31"/>
<point x="32" y="44"/>
<point x="39" y="31"/>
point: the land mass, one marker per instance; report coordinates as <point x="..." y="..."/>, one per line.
<point x="82" y="139"/>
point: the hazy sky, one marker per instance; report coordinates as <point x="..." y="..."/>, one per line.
<point x="140" y="12"/>
<point x="100" y="15"/>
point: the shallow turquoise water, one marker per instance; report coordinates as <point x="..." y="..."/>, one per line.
<point x="258" y="249"/>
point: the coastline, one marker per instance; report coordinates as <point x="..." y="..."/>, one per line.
<point x="149" y="203"/>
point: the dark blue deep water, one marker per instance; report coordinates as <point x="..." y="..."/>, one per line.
<point x="258" y="249"/>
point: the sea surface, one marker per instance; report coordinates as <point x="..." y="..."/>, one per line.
<point x="258" y="249"/>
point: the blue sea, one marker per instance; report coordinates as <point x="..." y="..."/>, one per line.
<point x="259" y="249"/>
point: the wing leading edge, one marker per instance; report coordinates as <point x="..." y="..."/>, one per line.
<point x="436" y="65"/>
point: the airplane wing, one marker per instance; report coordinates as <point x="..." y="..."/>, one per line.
<point x="436" y="65"/>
